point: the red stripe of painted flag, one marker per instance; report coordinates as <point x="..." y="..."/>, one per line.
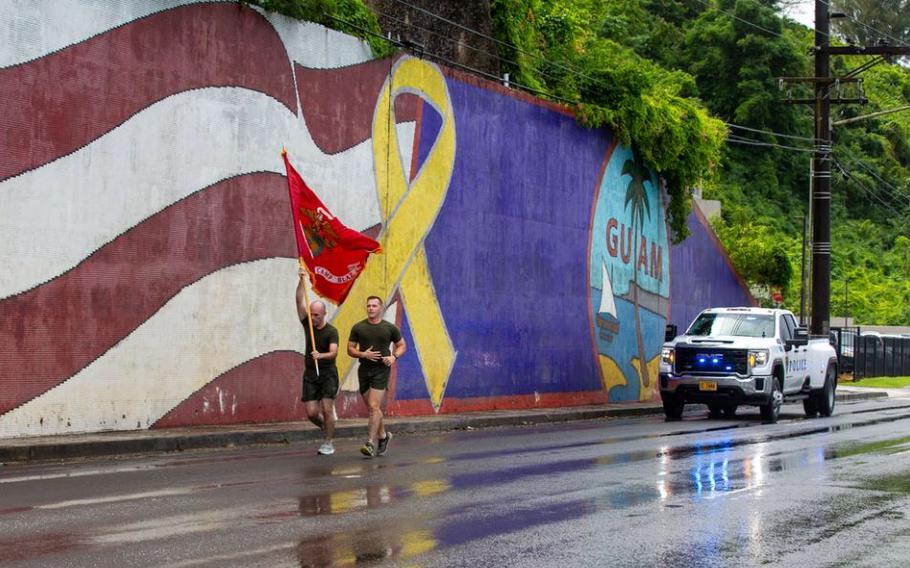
<point x="334" y="254"/>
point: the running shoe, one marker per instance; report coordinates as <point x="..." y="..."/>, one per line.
<point x="384" y="443"/>
<point x="326" y="449"/>
<point x="368" y="450"/>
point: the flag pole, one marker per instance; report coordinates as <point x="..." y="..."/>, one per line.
<point x="309" y="317"/>
<point x="306" y="296"/>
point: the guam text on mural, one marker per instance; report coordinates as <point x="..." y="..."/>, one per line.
<point x="648" y="257"/>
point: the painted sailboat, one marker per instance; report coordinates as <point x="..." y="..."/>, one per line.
<point x="607" y="303"/>
<point x="607" y="320"/>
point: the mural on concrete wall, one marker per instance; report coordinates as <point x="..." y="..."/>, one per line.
<point x="629" y="274"/>
<point x="150" y="260"/>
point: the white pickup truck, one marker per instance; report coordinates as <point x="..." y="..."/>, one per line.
<point x="755" y="356"/>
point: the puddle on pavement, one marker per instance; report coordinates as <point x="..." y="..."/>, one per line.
<point x="364" y="547"/>
<point x="465" y="530"/>
<point x="716" y="471"/>
<point x="339" y="502"/>
<point x="369" y="497"/>
<point x="450" y="527"/>
<point x="508" y="475"/>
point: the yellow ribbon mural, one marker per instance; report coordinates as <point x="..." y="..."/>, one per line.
<point x="409" y="211"/>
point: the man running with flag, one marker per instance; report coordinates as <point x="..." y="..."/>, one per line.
<point x="333" y="256"/>
<point x="319" y="388"/>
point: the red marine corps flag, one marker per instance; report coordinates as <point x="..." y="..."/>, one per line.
<point x="333" y="254"/>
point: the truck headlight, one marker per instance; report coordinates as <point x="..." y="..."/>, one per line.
<point x="758" y="358"/>
<point x="667" y="355"/>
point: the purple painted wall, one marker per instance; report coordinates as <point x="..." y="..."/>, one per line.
<point x="702" y="275"/>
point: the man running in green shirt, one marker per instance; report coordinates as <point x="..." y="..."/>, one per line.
<point x="378" y="344"/>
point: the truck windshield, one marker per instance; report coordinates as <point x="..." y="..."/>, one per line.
<point x="741" y="325"/>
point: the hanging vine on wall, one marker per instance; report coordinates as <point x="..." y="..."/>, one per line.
<point x="352" y="17"/>
<point x="558" y="47"/>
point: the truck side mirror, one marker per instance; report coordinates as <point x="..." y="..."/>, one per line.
<point x="800" y="339"/>
<point x="670" y="333"/>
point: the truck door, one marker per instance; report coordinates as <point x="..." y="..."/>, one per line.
<point x="795" y="363"/>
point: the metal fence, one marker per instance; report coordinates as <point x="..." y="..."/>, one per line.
<point x="844" y="339"/>
<point x="871" y="355"/>
<point x="882" y="356"/>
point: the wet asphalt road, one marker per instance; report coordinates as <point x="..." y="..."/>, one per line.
<point x="631" y="492"/>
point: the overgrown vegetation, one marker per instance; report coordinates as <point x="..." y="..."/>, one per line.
<point x="584" y="51"/>
<point x="349" y="16"/>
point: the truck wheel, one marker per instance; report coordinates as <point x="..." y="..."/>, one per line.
<point x="673" y="408"/>
<point x="771" y="411"/>
<point x="730" y="411"/>
<point x="824" y="398"/>
<point x="810" y="406"/>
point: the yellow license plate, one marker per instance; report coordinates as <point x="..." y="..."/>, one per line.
<point x="707" y="386"/>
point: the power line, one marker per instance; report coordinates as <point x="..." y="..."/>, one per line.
<point x="747" y="22"/>
<point x="493" y="39"/>
<point x="456" y="41"/>
<point x="773" y="133"/>
<point x="901" y="198"/>
<point x="874" y="174"/>
<point x="455" y="63"/>
<point x="749" y="142"/>
<point x="867" y="26"/>
<point x="848" y="176"/>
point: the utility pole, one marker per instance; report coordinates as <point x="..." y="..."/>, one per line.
<point x="821" y="186"/>
<point x="827" y="92"/>
<point x="802" y="279"/>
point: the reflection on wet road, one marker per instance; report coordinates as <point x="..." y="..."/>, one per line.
<point x="637" y="492"/>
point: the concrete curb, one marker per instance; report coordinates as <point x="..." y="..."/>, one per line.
<point x="21" y="450"/>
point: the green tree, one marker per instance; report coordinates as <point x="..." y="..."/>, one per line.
<point x="637" y="200"/>
<point x="736" y="66"/>
<point x="348" y="16"/>
<point x="764" y="258"/>
<point x="868" y="22"/>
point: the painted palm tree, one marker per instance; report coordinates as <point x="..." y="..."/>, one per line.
<point x="637" y="199"/>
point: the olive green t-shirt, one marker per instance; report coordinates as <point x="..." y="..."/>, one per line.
<point x="379" y="336"/>
<point x="324" y="337"/>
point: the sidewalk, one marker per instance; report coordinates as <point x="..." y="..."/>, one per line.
<point x="200" y="437"/>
